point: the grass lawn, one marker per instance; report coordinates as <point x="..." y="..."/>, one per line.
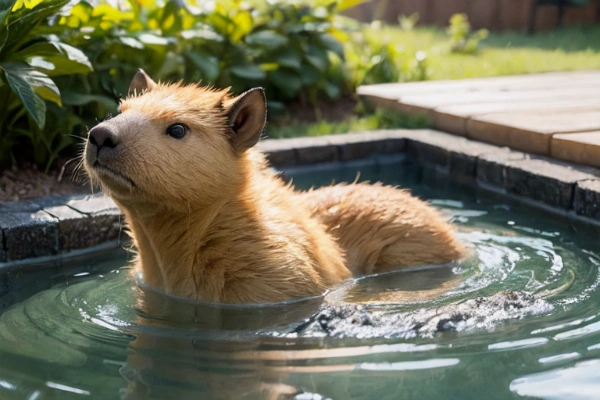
<point x="507" y="53"/>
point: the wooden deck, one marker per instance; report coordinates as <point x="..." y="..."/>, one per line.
<point x="554" y="114"/>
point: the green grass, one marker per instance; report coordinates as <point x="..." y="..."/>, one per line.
<point x="380" y="119"/>
<point x="507" y="53"/>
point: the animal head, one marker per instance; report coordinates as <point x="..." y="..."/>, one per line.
<point x="174" y="144"/>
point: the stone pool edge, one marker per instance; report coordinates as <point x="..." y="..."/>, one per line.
<point x="62" y="227"/>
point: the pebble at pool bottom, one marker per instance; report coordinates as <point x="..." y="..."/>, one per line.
<point x="73" y="331"/>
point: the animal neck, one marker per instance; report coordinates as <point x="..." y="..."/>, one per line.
<point x="170" y="242"/>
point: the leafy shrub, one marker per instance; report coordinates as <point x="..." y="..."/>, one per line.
<point x="376" y="58"/>
<point x="298" y="49"/>
<point x="463" y="39"/>
<point x="288" y="47"/>
<point x="294" y="49"/>
<point x="377" y="119"/>
<point x="408" y="22"/>
<point x="27" y="63"/>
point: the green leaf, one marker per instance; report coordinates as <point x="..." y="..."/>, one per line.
<point x="317" y="57"/>
<point x="173" y="65"/>
<point x="150" y="39"/>
<point x="242" y="24"/>
<point x="78" y="99"/>
<point x="309" y="74"/>
<point x="333" y="91"/>
<point x="208" y="65"/>
<point x="248" y="71"/>
<point x="287" y="81"/>
<point x="131" y="42"/>
<point x="346" y="4"/>
<point x="171" y="17"/>
<point x="41" y="83"/>
<point x="23" y="81"/>
<point x="55" y="58"/>
<point x="24" y="20"/>
<point x="267" y="39"/>
<point x="331" y="43"/>
<point x="5" y="7"/>
<point x="205" y="32"/>
<point x="288" y="57"/>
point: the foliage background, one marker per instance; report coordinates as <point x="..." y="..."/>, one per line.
<point x="49" y="49"/>
<point x="64" y="64"/>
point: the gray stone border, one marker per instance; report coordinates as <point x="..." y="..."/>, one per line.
<point x="65" y="226"/>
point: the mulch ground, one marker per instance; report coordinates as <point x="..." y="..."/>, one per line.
<point x="27" y="182"/>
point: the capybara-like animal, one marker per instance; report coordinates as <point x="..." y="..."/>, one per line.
<point x="212" y="222"/>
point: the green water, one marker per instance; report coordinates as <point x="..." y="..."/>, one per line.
<point x="75" y="331"/>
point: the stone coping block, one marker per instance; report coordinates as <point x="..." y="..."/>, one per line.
<point x="351" y="146"/>
<point x="587" y="199"/>
<point x="452" y="154"/>
<point x="54" y="226"/>
<point x="94" y="205"/>
<point x="28" y="235"/>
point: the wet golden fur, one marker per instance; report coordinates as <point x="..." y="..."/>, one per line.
<point x="214" y="223"/>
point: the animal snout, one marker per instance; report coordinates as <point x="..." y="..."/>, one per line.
<point x="102" y="136"/>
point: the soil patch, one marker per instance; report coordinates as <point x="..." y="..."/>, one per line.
<point x="331" y="111"/>
<point x="26" y="182"/>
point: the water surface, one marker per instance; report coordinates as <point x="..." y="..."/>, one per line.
<point x="78" y="330"/>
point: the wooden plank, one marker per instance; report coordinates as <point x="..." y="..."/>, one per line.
<point x="531" y="131"/>
<point x="574" y="91"/>
<point x="453" y="119"/>
<point x="514" y="82"/>
<point x="580" y="148"/>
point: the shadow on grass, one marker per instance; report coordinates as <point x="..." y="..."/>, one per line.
<point x="579" y="38"/>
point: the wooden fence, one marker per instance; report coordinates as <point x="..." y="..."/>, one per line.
<point x="491" y="14"/>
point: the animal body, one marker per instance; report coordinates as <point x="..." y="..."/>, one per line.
<point x="212" y="222"/>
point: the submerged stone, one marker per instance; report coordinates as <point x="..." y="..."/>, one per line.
<point x="479" y="313"/>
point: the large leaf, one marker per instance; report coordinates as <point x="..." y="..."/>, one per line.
<point x="30" y="85"/>
<point x="153" y="40"/>
<point x="24" y="20"/>
<point x="309" y="74"/>
<point x="203" y="32"/>
<point x="78" y="99"/>
<point x="59" y="58"/>
<point x="5" y="7"/>
<point x="267" y="39"/>
<point x="332" y="44"/>
<point x="288" y="57"/>
<point x="209" y="65"/>
<point x="317" y="57"/>
<point x="333" y="90"/>
<point x="250" y="71"/>
<point x="131" y="42"/>
<point x="287" y="81"/>
<point x="41" y="83"/>
<point x="171" y="17"/>
<point x="242" y="24"/>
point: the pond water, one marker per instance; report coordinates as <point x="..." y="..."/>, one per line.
<point x="76" y="330"/>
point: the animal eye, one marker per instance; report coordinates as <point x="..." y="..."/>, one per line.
<point x="176" y="131"/>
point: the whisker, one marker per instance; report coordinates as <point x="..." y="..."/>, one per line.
<point x="63" y="168"/>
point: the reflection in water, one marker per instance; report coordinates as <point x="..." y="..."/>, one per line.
<point x="90" y="329"/>
<point x="577" y="382"/>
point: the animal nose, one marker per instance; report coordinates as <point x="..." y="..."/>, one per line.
<point x="102" y="136"/>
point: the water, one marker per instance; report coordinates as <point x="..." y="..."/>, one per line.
<point x="82" y="330"/>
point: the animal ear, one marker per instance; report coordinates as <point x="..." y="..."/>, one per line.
<point x="247" y="115"/>
<point x="140" y="83"/>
